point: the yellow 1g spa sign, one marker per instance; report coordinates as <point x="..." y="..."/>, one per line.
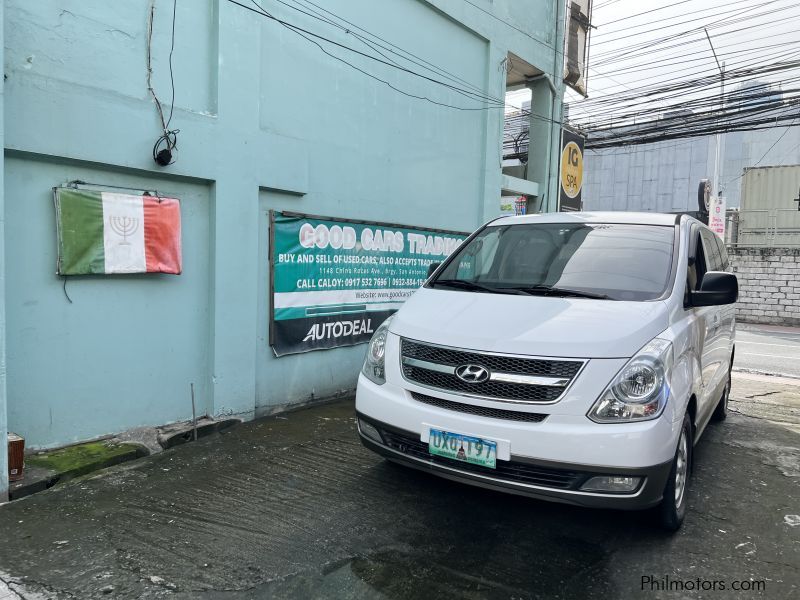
<point x="571" y="172"/>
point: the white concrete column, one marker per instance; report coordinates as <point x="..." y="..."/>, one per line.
<point x="540" y="140"/>
<point x="235" y="218"/>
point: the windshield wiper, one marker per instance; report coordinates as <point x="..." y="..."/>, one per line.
<point x="474" y="287"/>
<point x="548" y="290"/>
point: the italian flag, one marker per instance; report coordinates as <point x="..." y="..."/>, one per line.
<point x="105" y="233"/>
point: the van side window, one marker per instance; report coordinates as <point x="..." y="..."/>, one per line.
<point x="723" y="253"/>
<point x="697" y="267"/>
<point x="711" y="250"/>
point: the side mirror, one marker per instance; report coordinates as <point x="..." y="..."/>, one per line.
<point x="432" y="267"/>
<point x="717" y="288"/>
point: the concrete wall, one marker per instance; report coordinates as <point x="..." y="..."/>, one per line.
<point x="769" y="285"/>
<point x="660" y="177"/>
<point x="266" y="121"/>
<point x="3" y="402"/>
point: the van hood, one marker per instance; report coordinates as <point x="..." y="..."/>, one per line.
<point x="533" y="325"/>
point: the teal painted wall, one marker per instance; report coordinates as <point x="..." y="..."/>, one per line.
<point x="267" y="122"/>
<point x="3" y="409"/>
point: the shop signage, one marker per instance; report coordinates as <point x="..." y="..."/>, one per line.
<point x="333" y="282"/>
<point x="571" y="171"/>
<point x="716" y="215"/>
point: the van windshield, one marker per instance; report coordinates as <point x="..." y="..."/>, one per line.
<point x="592" y="260"/>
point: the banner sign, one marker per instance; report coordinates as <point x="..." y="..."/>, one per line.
<point x="108" y="233"/>
<point x="571" y="171"/>
<point x="333" y="282"/>
<point x="716" y="215"/>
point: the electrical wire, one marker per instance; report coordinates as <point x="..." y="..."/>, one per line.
<point x="167" y="142"/>
<point x="611" y="105"/>
<point x="652" y="10"/>
<point x="312" y="37"/>
<point x="387" y="47"/>
<point x="614" y="55"/>
<point x="783" y="135"/>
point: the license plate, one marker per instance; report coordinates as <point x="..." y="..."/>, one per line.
<point x="466" y="448"/>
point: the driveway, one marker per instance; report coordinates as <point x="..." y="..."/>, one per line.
<point x="294" y="507"/>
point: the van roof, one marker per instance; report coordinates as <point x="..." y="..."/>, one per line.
<point x="638" y="218"/>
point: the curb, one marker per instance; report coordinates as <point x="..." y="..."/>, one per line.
<point x="766" y="373"/>
<point x="185" y="433"/>
<point x="40" y="479"/>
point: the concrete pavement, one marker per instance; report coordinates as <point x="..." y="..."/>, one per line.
<point x="294" y="507"/>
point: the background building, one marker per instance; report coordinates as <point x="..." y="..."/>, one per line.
<point x="664" y="176"/>
<point x="395" y="126"/>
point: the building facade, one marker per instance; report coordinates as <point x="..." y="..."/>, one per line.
<point x="380" y="113"/>
<point x="664" y="176"/>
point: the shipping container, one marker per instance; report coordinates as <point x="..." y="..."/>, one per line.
<point x="769" y="213"/>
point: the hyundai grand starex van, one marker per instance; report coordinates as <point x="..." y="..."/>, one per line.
<point x="568" y="357"/>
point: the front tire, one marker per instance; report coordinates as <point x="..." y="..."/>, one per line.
<point x="673" y="504"/>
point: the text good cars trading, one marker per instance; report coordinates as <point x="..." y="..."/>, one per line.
<point x="568" y="357"/>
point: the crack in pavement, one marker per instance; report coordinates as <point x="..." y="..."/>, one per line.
<point x="763" y="394"/>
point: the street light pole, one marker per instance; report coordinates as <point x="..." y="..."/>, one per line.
<point x="718" y="137"/>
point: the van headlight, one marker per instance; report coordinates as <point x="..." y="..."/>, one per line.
<point x="375" y="363"/>
<point x="640" y="390"/>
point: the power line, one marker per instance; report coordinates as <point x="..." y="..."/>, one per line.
<point x="617" y="54"/>
<point x="734" y="18"/>
<point x="308" y="35"/>
<point x="647" y="12"/>
<point x="504" y="22"/>
<point x="743" y="71"/>
<point x="788" y="127"/>
<point x="389" y="47"/>
<point x="700" y="56"/>
<point x="698" y="125"/>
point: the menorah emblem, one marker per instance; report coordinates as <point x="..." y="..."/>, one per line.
<point x="124" y="227"/>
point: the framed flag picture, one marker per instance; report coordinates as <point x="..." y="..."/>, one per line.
<point x="109" y="233"/>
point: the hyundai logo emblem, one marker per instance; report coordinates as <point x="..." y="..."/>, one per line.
<point x="472" y="373"/>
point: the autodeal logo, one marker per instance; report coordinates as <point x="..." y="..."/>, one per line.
<point x="338" y="329"/>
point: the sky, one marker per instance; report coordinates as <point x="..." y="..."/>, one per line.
<point x="745" y="33"/>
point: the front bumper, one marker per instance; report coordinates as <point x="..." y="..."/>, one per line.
<point x="544" y="480"/>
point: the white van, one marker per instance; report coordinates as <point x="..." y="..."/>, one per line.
<point x="574" y="357"/>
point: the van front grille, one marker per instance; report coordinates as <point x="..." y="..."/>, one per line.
<point x="481" y="411"/>
<point x="435" y="367"/>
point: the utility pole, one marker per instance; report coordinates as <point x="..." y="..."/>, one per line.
<point x="718" y="157"/>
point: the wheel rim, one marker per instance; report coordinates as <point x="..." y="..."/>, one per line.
<point x="681" y="469"/>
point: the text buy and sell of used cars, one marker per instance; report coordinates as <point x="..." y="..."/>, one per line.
<point x="568" y="357"/>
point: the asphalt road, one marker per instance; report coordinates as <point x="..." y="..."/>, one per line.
<point x="294" y="507"/>
<point x="768" y="349"/>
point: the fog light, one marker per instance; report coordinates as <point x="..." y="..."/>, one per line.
<point x="611" y="484"/>
<point x="370" y="431"/>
